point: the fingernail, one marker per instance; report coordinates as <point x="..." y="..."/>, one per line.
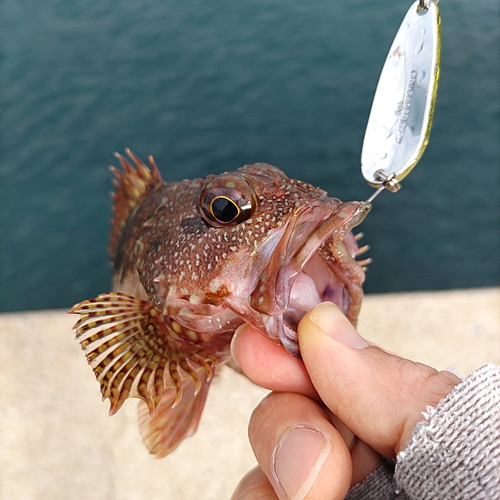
<point x="233" y="340"/>
<point x="333" y="322"/>
<point x="297" y="460"/>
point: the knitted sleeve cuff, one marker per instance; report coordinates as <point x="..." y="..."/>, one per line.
<point x="379" y="485"/>
<point x="455" y="451"/>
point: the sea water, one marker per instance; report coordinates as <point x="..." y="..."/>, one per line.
<point x="207" y="86"/>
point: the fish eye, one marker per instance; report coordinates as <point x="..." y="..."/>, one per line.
<point x="223" y="209"/>
<point x="227" y="200"/>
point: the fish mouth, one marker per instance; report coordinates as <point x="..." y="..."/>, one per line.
<point x="314" y="262"/>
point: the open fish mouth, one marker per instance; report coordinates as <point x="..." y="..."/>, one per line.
<point x="317" y="264"/>
<point x="316" y="283"/>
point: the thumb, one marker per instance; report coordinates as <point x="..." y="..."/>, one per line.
<point x="379" y="396"/>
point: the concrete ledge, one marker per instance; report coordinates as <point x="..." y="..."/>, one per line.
<point x="56" y="441"/>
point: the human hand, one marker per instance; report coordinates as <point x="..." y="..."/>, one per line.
<point x="334" y="413"/>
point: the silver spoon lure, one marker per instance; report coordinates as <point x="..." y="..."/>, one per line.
<point x="400" y="119"/>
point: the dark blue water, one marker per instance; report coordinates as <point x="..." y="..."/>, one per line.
<point x="207" y="86"/>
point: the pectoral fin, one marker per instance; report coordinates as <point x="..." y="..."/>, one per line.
<point x="134" y="352"/>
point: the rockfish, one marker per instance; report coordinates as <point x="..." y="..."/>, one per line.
<point x="195" y="259"/>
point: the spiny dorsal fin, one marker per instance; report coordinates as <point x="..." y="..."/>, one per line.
<point x="134" y="352"/>
<point x="132" y="185"/>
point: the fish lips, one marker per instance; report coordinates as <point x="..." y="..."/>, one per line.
<point x="300" y="273"/>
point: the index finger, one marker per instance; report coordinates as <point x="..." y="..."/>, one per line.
<point x="270" y="365"/>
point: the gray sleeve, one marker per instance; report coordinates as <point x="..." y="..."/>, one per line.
<point x="379" y="485"/>
<point x="454" y="452"/>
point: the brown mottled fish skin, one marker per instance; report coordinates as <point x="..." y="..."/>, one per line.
<point x="195" y="259"/>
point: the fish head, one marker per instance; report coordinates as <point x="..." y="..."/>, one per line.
<point x="255" y="246"/>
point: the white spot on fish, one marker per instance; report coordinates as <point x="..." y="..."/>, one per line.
<point x="192" y="335"/>
<point x="215" y="285"/>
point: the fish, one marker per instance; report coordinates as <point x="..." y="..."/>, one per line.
<point x="194" y="260"/>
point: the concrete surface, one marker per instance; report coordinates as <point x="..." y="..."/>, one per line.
<point x="57" y="442"/>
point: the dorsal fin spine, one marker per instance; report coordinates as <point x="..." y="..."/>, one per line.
<point x="132" y="186"/>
